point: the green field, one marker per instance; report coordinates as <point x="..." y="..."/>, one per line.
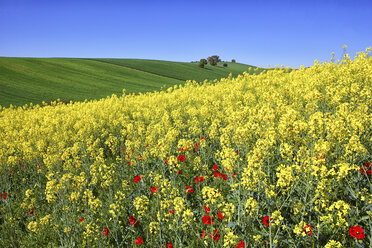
<point x="25" y="80"/>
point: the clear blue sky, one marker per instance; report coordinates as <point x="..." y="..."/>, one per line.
<point x="292" y="33"/>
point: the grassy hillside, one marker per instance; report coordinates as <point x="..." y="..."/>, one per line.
<point x="25" y="80"/>
<point x="179" y="70"/>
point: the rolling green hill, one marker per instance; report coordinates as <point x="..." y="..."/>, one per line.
<point x="25" y="80"/>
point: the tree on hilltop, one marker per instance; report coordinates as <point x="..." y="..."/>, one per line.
<point x="202" y="62"/>
<point x="213" y="60"/>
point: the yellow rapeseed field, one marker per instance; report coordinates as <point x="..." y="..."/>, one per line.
<point x="279" y="159"/>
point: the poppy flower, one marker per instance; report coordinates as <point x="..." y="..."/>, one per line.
<point x="166" y="161"/>
<point x="180" y="149"/>
<point x="171" y="211"/>
<point x="129" y="163"/>
<point x="105" y="231"/>
<point x="202" y="138"/>
<point x="154" y="189"/>
<point x="189" y="189"/>
<point x="181" y="158"/>
<point x="31" y="211"/>
<point x="203" y="235"/>
<point x="308" y="230"/>
<point x="237" y="152"/>
<point x="241" y="245"/>
<point x="207" y="220"/>
<point x="137" y="179"/>
<point x="356" y="232"/>
<point x="207" y="209"/>
<point x="132" y="221"/>
<point x="220" y="215"/>
<point x="169" y="245"/>
<point x="366" y="170"/>
<point x="266" y="220"/>
<point x="215" y="167"/>
<point x="234" y="175"/>
<point x="139" y="241"/>
<point x="4" y="195"/>
<point x="140" y="158"/>
<point x="199" y="179"/>
<point x="224" y="176"/>
<point x="217" y="174"/>
<point x="123" y="149"/>
<point x="216" y="235"/>
<point x="179" y="172"/>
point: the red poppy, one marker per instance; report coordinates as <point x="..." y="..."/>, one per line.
<point x="366" y="170"/>
<point x="216" y="235"/>
<point x="154" y="189"/>
<point x="128" y="156"/>
<point x="139" y="241"/>
<point x="182" y="158"/>
<point x="220" y="215"/>
<point x="189" y="189"/>
<point x="225" y="178"/>
<point x="129" y="163"/>
<point x="207" y="220"/>
<point x="202" y="138"/>
<point x="199" y="179"/>
<point x="241" y="245"/>
<point x="308" y="230"/>
<point x="140" y="158"/>
<point x="171" y="211"/>
<point x="196" y="148"/>
<point x="137" y="179"/>
<point x="132" y="221"/>
<point x="169" y="245"/>
<point x="31" y="211"/>
<point x="180" y="149"/>
<point x="356" y="232"/>
<point x="105" y="231"/>
<point x="203" y="235"/>
<point x="266" y="220"/>
<point x="123" y="149"/>
<point x="4" y="195"/>
<point x="237" y="152"/>
<point x="217" y="174"/>
<point x="207" y="209"/>
<point x="215" y="167"/>
<point x="234" y="175"/>
<point x="179" y="172"/>
<point x="166" y="161"/>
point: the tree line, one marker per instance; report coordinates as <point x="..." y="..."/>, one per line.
<point x="212" y="60"/>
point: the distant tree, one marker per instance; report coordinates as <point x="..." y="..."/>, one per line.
<point x="202" y="62"/>
<point x="225" y="65"/>
<point x="213" y="60"/>
<point x="233" y="61"/>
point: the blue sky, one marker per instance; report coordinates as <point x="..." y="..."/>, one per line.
<point x="292" y="33"/>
